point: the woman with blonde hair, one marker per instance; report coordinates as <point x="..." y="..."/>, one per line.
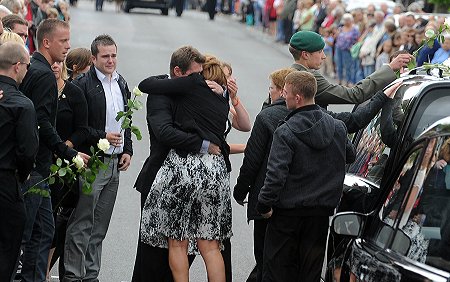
<point x="189" y="202"/>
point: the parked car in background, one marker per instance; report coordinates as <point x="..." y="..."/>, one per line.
<point x="163" y="5"/>
<point x="394" y="219"/>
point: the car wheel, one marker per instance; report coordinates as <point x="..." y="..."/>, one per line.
<point x="165" y="11"/>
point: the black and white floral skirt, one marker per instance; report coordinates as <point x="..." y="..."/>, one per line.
<point x="189" y="199"/>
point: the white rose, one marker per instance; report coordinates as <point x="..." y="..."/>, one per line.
<point x="103" y="144"/>
<point x="78" y="161"/>
<point x="137" y="92"/>
<point x="429" y="33"/>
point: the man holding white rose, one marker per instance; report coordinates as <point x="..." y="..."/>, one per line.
<point x="106" y="94"/>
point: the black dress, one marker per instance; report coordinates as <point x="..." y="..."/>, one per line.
<point x="71" y="124"/>
<point x="190" y="197"/>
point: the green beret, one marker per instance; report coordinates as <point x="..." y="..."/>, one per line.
<point x="307" y="41"/>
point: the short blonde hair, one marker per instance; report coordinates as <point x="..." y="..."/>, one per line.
<point x="9" y="36"/>
<point x="279" y="76"/>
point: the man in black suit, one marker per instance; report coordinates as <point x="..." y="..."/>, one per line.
<point x="19" y="145"/>
<point x="40" y="86"/>
<point x="152" y="263"/>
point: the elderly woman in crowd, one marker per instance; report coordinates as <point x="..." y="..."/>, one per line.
<point x="348" y="35"/>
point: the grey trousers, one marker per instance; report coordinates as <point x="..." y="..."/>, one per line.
<point x="88" y="225"/>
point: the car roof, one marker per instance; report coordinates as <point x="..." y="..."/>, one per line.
<point x="439" y="128"/>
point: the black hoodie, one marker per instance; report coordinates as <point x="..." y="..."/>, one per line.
<point x="306" y="166"/>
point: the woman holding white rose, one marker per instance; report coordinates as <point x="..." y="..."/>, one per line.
<point x="71" y="125"/>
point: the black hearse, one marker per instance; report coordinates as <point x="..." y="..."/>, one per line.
<point x="394" y="219"/>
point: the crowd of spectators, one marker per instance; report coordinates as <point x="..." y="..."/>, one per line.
<point x="22" y="17"/>
<point x="360" y="39"/>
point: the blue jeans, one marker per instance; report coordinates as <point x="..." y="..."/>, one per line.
<point x="345" y="66"/>
<point x="257" y="11"/>
<point x="280" y="30"/>
<point x="39" y="230"/>
<point x="359" y="70"/>
<point x="98" y="5"/>
<point x="368" y="70"/>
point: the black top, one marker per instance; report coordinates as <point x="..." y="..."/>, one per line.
<point x="40" y="86"/>
<point x="71" y="120"/>
<point x="163" y="136"/>
<point x="19" y="141"/>
<point x="199" y="109"/>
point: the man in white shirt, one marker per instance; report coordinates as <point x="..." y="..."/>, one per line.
<point x="106" y="94"/>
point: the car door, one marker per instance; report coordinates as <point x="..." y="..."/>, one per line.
<point x="408" y="238"/>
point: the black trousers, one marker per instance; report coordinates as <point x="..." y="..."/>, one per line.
<point x="288" y="30"/>
<point x="179" y="7"/>
<point x="12" y="219"/>
<point x="294" y="248"/>
<point x="211" y="8"/>
<point x="152" y="263"/>
<point x="259" y="235"/>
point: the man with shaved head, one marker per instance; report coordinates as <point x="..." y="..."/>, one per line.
<point x="18" y="149"/>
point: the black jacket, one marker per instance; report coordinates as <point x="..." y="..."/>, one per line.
<point x="164" y="135"/>
<point x="306" y="166"/>
<point x="199" y="110"/>
<point x="19" y="141"/>
<point x="253" y="170"/>
<point x="95" y="97"/>
<point x="40" y="86"/>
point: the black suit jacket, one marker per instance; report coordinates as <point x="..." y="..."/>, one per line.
<point x="163" y="136"/>
<point x="95" y="98"/>
<point x="40" y="86"/>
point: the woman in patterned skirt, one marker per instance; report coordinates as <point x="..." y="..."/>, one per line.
<point x="189" y="202"/>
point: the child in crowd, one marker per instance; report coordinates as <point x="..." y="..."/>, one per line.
<point x="442" y="53"/>
<point x="328" y="67"/>
<point x="384" y="54"/>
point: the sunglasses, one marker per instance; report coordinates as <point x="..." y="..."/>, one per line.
<point x="28" y="65"/>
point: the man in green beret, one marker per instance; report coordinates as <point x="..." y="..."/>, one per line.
<point x="306" y="48"/>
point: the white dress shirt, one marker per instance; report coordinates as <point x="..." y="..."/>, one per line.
<point x="114" y="104"/>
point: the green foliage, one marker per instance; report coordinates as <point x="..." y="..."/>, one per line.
<point x="132" y="105"/>
<point x="430" y="37"/>
<point x="440" y="2"/>
<point x="64" y="171"/>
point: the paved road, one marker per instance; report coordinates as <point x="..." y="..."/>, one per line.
<point x="145" y="42"/>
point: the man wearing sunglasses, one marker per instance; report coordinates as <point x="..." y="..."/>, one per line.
<point x="18" y="148"/>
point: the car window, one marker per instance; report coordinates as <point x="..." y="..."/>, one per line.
<point x="372" y="153"/>
<point x="374" y="142"/>
<point x="433" y="107"/>
<point x="426" y="216"/>
<point x="391" y="211"/>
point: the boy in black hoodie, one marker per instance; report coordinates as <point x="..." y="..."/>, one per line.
<point x="303" y="184"/>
